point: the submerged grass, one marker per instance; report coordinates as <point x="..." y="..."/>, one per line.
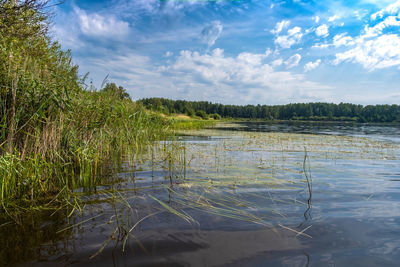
<point x="98" y="130"/>
<point x="56" y="132"/>
<point x="239" y="180"/>
<point x="230" y="174"/>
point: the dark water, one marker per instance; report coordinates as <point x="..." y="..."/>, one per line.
<point x="234" y="198"/>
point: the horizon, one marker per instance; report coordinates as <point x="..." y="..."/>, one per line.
<point x="238" y="52"/>
<point x="291" y="103"/>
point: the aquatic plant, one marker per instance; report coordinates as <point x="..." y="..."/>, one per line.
<point x="56" y="132"/>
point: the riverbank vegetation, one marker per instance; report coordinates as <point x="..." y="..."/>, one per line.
<point x="300" y="111"/>
<point x="55" y="131"/>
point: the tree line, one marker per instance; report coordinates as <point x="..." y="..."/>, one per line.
<point x="298" y="111"/>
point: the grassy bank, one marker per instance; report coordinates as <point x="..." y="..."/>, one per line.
<point x="186" y="124"/>
<point x="63" y="150"/>
<point x="55" y="133"/>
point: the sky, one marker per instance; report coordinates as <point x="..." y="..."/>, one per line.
<point x="239" y="51"/>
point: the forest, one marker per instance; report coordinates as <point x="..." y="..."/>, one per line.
<point x="297" y="111"/>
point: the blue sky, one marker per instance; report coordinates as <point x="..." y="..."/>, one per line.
<point x="238" y="52"/>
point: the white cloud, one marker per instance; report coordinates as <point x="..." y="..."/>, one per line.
<point x="252" y="59"/>
<point x="374" y="48"/>
<point x="333" y="18"/>
<point x="321" y="46"/>
<point x="285" y="41"/>
<point x="211" y="33"/>
<point x="168" y="54"/>
<point x="134" y="72"/>
<point x="277" y="62"/>
<point x="147" y="5"/>
<point x="101" y="26"/>
<point x="390" y="9"/>
<point x="293" y="61"/>
<point x="293" y="36"/>
<point x="280" y="26"/>
<point x="68" y="39"/>
<point x="342" y="40"/>
<point x="268" y="52"/>
<point x="322" y="30"/>
<point x="294" y="31"/>
<point x="153" y="7"/>
<point x="241" y="79"/>
<point x="312" y="65"/>
<point x="378" y="53"/>
<point x="378" y="28"/>
<point x="316" y="19"/>
<point x="361" y="13"/>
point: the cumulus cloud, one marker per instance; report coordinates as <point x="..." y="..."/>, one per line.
<point x="322" y="30"/>
<point x="373" y="48"/>
<point x="277" y="62"/>
<point x="390" y="9"/>
<point x="293" y="61"/>
<point x="312" y="65"/>
<point x="378" y="28"/>
<point x="333" y="18"/>
<point x="293" y="31"/>
<point x="101" y="26"/>
<point x="280" y="26"/>
<point x="342" y="40"/>
<point x="292" y="37"/>
<point x="250" y="58"/>
<point x="211" y="33"/>
<point x="154" y="7"/>
<point x="321" y="46"/>
<point x="135" y="72"/>
<point x="378" y="53"/>
<point x="68" y="39"/>
<point x="244" y="78"/>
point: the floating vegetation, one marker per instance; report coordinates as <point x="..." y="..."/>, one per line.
<point x="253" y="178"/>
<point x="219" y="179"/>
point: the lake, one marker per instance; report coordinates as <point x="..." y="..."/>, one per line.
<point x="240" y="194"/>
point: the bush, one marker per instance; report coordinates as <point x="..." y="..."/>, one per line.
<point x="202" y="114"/>
<point x="190" y="112"/>
<point x="215" y="116"/>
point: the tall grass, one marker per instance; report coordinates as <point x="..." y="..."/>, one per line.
<point x="63" y="150"/>
<point x="53" y="132"/>
<point x="191" y="124"/>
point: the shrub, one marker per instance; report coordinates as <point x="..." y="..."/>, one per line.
<point x="202" y="114"/>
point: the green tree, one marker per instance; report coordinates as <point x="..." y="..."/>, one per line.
<point x="117" y="91"/>
<point x="215" y="116"/>
<point x="202" y="114"/>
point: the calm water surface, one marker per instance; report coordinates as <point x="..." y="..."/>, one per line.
<point x="250" y="194"/>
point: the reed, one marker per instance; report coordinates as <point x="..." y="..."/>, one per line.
<point x="56" y="132"/>
<point x="191" y="124"/>
<point x="96" y="129"/>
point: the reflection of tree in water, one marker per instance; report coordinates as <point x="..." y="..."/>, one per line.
<point x="34" y="235"/>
